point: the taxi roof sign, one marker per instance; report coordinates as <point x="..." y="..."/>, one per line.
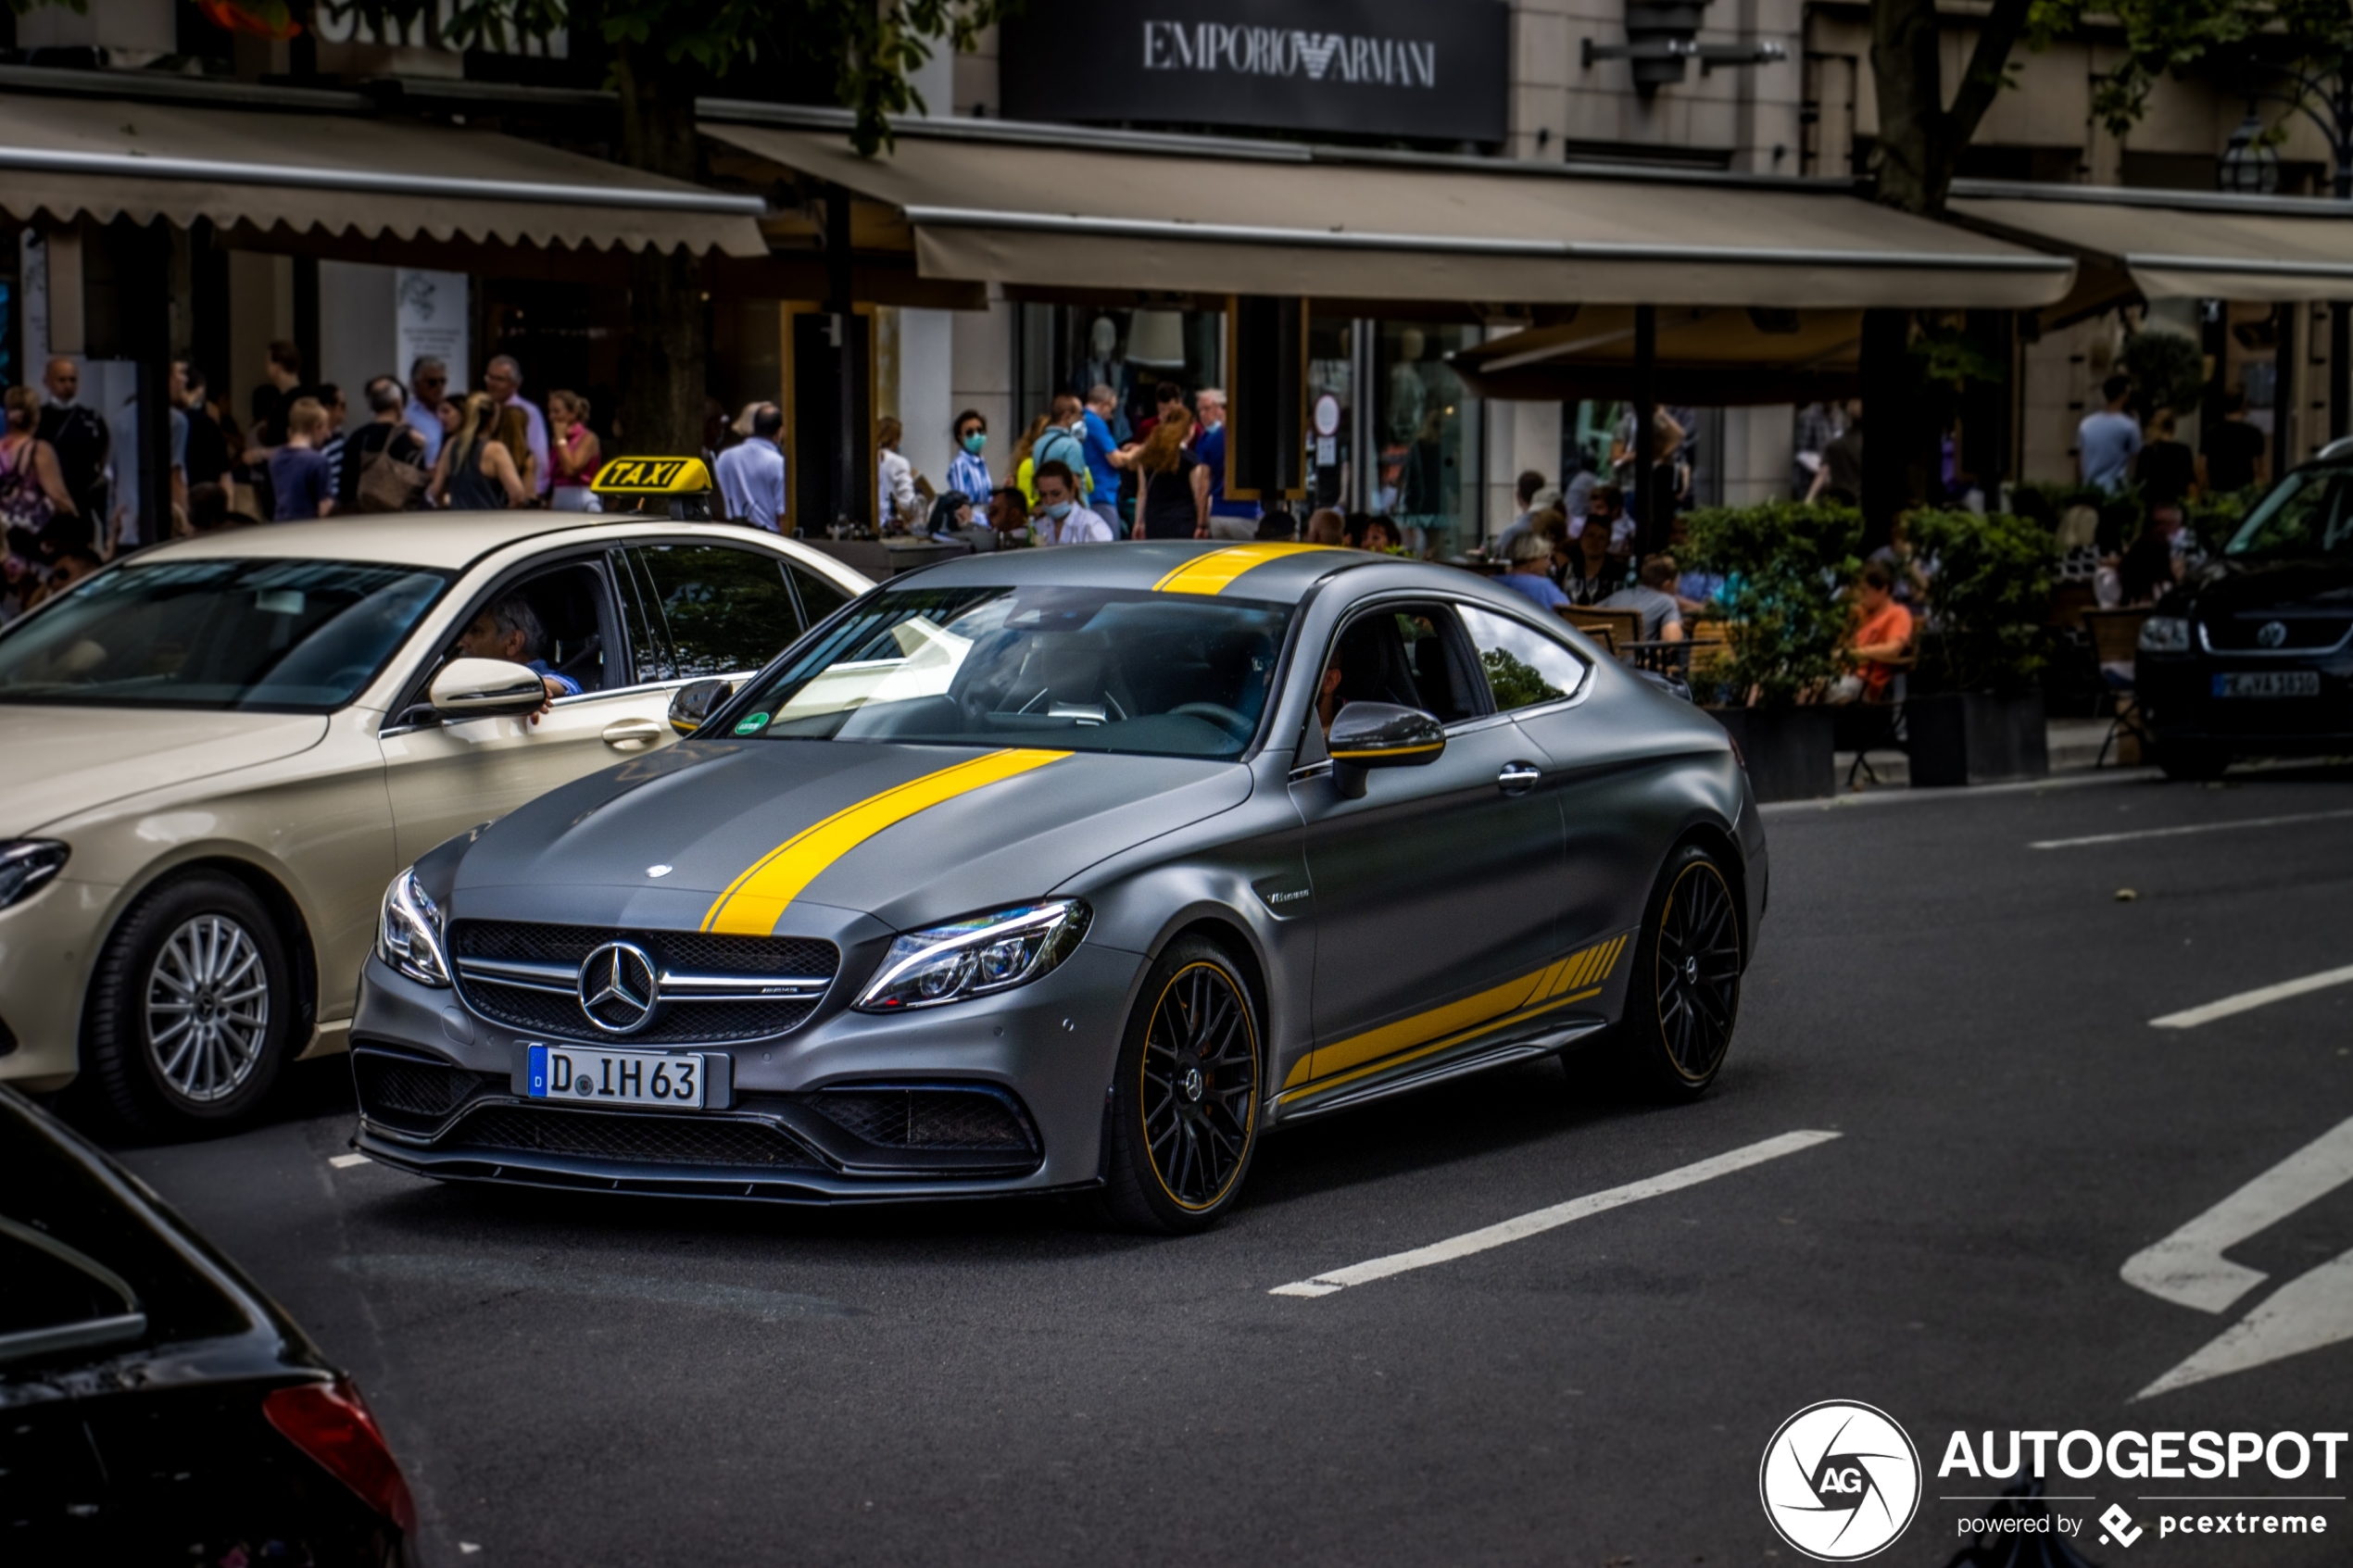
<point x="653" y="476"/>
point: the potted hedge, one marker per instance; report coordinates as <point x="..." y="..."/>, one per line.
<point x="1974" y="711"/>
<point x="1785" y="566"/>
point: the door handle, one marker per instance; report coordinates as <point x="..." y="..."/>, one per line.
<point x="632" y="735"/>
<point x="1518" y="778"/>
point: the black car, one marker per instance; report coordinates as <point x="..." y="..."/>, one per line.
<point x="2253" y="656"/>
<point x="155" y="1406"/>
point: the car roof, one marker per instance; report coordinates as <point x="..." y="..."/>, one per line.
<point x="451" y="541"/>
<point x="1281" y="573"/>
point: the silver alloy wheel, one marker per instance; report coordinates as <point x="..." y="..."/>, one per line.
<point x="208" y="1009"/>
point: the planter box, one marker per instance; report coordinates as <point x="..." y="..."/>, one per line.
<point x="1789" y="750"/>
<point x="1971" y="739"/>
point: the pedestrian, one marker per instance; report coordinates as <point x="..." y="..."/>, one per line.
<point x="1534" y="504"/>
<point x="751" y="473"/>
<point x="1105" y="459"/>
<point x="1372" y="531"/>
<point x="1167" y="398"/>
<point x="78" y="436"/>
<point x="574" y="454"/>
<point x="968" y="469"/>
<point x="1652" y="593"/>
<point x="2238" y="455"/>
<point x="331" y="399"/>
<point x="2166" y="469"/>
<point x="206" y="457"/>
<point x="1839" y="480"/>
<point x="895" y="506"/>
<point x="1059" y="513"/>
<point x="1172" y="499"/>
<point x="1326" y="525"/>
<point x="384" y="467"/>
<point x="69" y="554"/>
<point x="428" y="394"/>
<point x="1008" y="511"/>
<point x="1523" y="491"/>
<point x="1530" y="555"/>
<point x="1228" y="519"/>
<point x="477" y="474"/>
<point x="2154" y="564"/>
<point x="299" y="488"/>
<point x="1024" y="460"/>
<point x="1580" y="489"/>
<point x="2106" y="442"/>
<point x="32" y="484"/>
<point x="503" y="378"/>
<point x="1591" y="573"/>
<point x="1880" y="640"/>
<point x="1061" y="441"/>
<point x="1817" y="425"/>
<point x="209" y="511"/>
<point x="281" y="386"/>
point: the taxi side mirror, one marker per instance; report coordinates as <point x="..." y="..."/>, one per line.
<point x="478" y="688"/>
<point x="691" y="704"/>
<point x="1380" y="734"/>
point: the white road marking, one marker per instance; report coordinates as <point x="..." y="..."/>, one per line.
<point x="2310" y="1310"/>
<point x="2195" y="827"/>
<point x="346" y="1162"/>
<point x="2188" y="1269"/>
<point x="2246" y="1002"/>
<point x="1543" y="1220"/>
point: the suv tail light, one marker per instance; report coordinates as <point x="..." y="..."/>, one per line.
<point x="331" y="1423"/>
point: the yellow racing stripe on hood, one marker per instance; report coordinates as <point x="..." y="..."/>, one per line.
<point x="1216" y="572"/>
<point x="754" y="901"/>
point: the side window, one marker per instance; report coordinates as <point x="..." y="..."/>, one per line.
<point x="553" y="620"/>
<point x="720" y="609"/>
<point x="641" y="620"/>
<point x="819" y="597"/>
<point x="1523" y="666"/>
<point x="1407" y="654"/>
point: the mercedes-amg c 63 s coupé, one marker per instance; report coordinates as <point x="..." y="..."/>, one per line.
<point x="1071" y="869"/>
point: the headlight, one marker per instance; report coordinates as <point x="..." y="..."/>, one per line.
<point x="972" y="957"/>
<point x="2165" y="634"/>
<point x="26" y="867"/>
<point x="409" y="934"/>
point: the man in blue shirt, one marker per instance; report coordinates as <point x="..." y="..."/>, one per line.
<point x="1103" y="461"/>
<point x="1531" y="555"/>
<point x="1228" y="519"/>
<point x="2106" y="443"/>
<point x="509" y="629"/>
<point x="751" y="473"/>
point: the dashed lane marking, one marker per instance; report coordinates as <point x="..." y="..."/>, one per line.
<point x="2246" y="1002"/>
<point x="346" y="1162"/>
<point x="2183" y="832"/>
<point x="1543" y="1220"/>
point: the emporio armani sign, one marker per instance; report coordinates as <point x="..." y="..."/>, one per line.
<point x="1275" y="51"/>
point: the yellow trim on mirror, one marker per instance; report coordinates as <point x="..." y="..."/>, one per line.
<point x="1387" y="751"/>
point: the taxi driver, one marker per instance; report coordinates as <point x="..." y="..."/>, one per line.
<point x="509" y="629"/>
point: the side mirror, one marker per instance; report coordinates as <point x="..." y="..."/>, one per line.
<point x="1380" y="734"/>
<point x="692" y="703"/>
<point x="479" y="688"/>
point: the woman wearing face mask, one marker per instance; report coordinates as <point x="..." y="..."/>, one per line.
<point x="968" y="471"/>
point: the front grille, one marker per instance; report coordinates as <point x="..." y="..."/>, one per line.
<point x="676" y="1022"/>
<point x="402" y="1090"/>
<point x="928" y="1118"/>
<point x="2244" y="633"/>
<point x="638" y="1139"/>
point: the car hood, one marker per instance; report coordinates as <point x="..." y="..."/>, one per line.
<point x="2244" y="587"/>
<point x="909" y="835"/>
<point x="62" y="761"/>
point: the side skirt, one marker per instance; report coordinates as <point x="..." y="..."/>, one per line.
<point x="1477" y="1059"/>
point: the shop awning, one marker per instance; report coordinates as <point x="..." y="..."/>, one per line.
<point x="67" y="157"/>
<point x="2168" y="244"/>
<point x="1059" y="207"/>
<point x="1722" y="356"/>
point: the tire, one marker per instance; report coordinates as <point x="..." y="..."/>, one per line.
<point x="192" y="1008"/>
<point x="1184" y="1101"/>
<point x="2189" y="762"/>
<point x="1683" y="999"/>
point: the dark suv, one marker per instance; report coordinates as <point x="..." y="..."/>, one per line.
<point x="2253" y="656"/>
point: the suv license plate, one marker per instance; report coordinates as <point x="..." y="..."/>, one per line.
<point x="2269" y="682"/>
<point x="584" y="1075"/>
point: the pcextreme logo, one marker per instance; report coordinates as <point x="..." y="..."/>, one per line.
<point x="1841" y="1481"/>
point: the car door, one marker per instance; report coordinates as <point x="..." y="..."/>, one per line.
<point x="1434" y="892"/>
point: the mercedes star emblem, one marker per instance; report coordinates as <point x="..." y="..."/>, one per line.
<point x="2272" y="635"/>
<point x="618" y="987"/>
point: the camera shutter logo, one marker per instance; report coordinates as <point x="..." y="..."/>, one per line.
<point x="1841" y="1481"/>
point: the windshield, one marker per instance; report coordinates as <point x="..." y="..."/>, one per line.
<point x="2310" y="514"/>
<point x="270" y="635"/>
<point x="1082" y="669"/>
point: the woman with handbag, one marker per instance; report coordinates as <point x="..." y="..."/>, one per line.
<point x="574" y="454"/>
<point x="384" y="461"/>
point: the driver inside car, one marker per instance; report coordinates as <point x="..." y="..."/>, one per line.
<point x="509" y="629"/>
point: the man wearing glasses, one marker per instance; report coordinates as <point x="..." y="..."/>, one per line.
<point x="428" y="384"/>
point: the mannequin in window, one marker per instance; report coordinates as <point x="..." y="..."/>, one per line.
<point x="1408" y="393"/>
<point x="1107" y="366"/>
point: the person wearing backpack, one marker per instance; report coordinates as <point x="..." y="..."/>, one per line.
<point x="384" y="461"/>
<point x="32" y="486"/>
<point x="1061" y="441"/>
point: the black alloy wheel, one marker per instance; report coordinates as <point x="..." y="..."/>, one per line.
<point x="1684" y="998"/>
<point x="1184" y="1119"/>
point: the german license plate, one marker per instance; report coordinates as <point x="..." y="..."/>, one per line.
<point x="584" y="1076"/>
<point x="2269" y="682"/>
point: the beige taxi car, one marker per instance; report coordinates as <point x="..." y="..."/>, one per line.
<point x="215" y="754"/>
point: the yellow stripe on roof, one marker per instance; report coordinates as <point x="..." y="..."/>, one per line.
<point x="754" y="901"/>
<point x="1216" y="572"/>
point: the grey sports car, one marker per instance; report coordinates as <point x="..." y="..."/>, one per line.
<point x="1073" y="869"/>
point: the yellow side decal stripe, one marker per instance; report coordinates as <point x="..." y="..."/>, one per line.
<point x="753" y="901"/>
<point x="1325" y="1085"/>
<point x="1510" y="1002"/>
<point x="1216" y="572"/>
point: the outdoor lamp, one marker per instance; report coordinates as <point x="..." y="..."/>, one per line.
<point x="2249" y="166"/>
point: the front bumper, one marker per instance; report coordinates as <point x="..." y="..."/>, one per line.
<point x="812" y="1115"/>
<point x="2177" y="700"/>
<point x="47" y="944"/>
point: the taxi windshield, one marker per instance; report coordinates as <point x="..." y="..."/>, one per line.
<point x="1081" y="669"/>
<point x="2310" y="514"/>
<point x="299" y="636"/>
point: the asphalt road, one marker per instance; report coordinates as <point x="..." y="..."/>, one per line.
<point x="572" y="1381"/>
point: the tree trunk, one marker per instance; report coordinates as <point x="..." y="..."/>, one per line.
<point x="1909" y="158"/>
<point x="663" y="361"/>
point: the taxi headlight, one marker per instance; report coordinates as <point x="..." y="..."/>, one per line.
<point x="408" y="932"/>
<point x="26" y="867"/>
<point x="2165" y="634"/>
<point x="975" y="956"/>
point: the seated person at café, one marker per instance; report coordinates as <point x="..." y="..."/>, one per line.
<point x="1662" y="617"/>
<point x="2152" y="564"/>
<point x="1530" y="573"/>
<point x="1593" y="574"/>
<point x="1883" y="637"/>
